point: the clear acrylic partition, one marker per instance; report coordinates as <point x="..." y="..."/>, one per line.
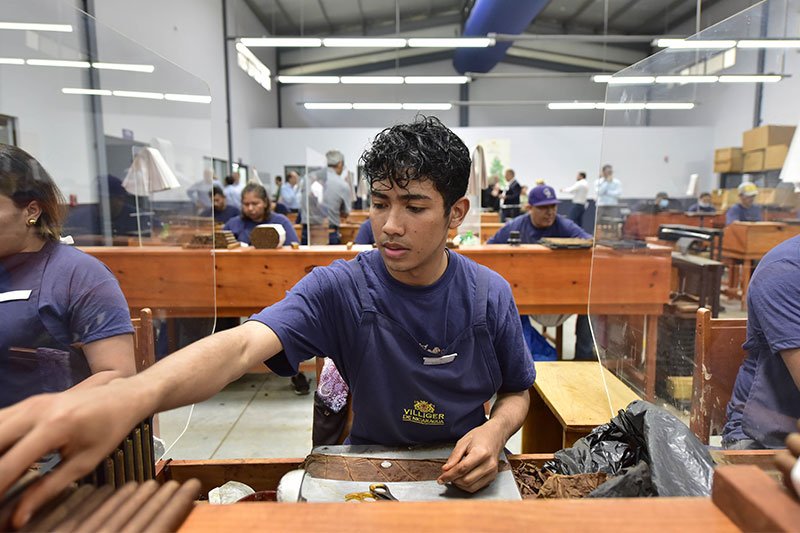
<point x="123" y="133"/>
<point x="648" y="283"/>
<point x="313" y="211"/>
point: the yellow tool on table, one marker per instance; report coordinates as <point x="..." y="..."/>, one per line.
<point x="378" y="491"/>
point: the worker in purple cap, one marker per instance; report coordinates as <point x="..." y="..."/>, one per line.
<point x="539" y="222"/>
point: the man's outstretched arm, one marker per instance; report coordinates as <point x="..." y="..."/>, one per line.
<point x="85" y="425"/>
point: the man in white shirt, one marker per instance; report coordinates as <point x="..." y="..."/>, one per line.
<point x="579" y="190"/>
<point x="290" y="192"/>
<point x="609" y="188"/>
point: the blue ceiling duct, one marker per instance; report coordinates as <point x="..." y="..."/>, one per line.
<point x="494" y="16"/>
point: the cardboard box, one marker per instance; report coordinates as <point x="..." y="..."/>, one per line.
<point x="730" y="165"/>
<point x="760" y="138"/>
<point x="779" y="197"/>
<point x="774" y="156"/>
<point x="724" y="198"/>
<point x="726" y="154"/>
<point x="753" y="161"/>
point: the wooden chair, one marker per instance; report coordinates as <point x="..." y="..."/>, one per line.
<point x="718" y="354"/>
<point x="144" y="347"/>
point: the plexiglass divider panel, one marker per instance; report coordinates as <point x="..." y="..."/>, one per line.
<point x="683" y="231"/>
<point x="123" y="134"/>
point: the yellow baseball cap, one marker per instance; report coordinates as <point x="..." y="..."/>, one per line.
<point x="748" y="189"/>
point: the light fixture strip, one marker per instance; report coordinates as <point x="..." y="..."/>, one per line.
<point x="130" y="67"/>
<point x="340" y="42"/>
<point x="455" y="42"/>
<point x="174" y="97"/>
<point x="35" y="26"/>
<point x="697" y="44"/>
<point x="687" y="79"/>
<point x="761" y="78"/>
<point x="91" y="92"/>
<point x="11" y="61"/>
<point x="631" y="80"/>
<point x="632" y="106"/>
<point x="58" y="63"/>
<point x="372" y="80"/>
<point x="309" y="79"/>
<point x="279" y="42"/>
<point x="379" y="106"/>
<point x="769" y="43"/>
<point x="437" y="80"/>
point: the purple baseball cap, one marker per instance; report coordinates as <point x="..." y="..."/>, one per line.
<point x="542" y="195"/>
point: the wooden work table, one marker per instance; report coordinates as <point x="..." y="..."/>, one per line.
<point x="568" y="400"/>
<point x="746" y="243"/>
<point x="640" y="514"/>
<point x="178" y="282"/>
<point x="642" y="225"/>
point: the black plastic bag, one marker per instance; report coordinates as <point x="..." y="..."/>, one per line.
<point x="679" y="464"/>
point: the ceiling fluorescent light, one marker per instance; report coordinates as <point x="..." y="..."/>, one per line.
<point x="631" y="80"/>
<point x="572" y="105"/>
<point x="131" y="67"/>
<point x="365" y="42"/>
<point x="308" y="79"/>
<point x="58" y="63"/>
<point x="457" y="42"/>
<point x="601" y="78"/>
<point x="257" y="42"/>
<point x="750" y="79"/>
<point x="620" y="106"/>
<point x="93" y="92"/>
<point x="428" y="107"/>
<point x="191" y="98"/>
<point x="771" y="43"/>
<point x="11" y="61"/>
<point x="695" y="44"/>
<point x="34" y="26"/>
<point x="139" y="94"/>
<point x="438" y="80"/>
<point x="330" y="105"/>
<point x="686" y="79"/>
<point x="670" y="105"/>
<point x="257" y="70"/>
<point x="371" y="105"/>
<point x="393" y="80"/>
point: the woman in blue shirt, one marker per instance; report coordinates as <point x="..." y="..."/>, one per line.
<point x="257" y="209"/>
<point x="64" y="316"/>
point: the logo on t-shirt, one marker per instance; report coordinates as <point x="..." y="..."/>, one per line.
<point x="424" y="413"/>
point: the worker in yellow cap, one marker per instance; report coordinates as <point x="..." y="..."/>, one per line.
<point x="745" y="210"/>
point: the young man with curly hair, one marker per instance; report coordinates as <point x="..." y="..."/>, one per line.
<point x="422" y="335"/>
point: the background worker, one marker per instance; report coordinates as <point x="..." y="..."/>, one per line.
<point x="703" y="204"/>
<point x="510" y="196"/>
<point x="257" y="209"/>
<point x="609" y="188"/>
<point x="539" y="222"/>
<point x="580" y="192"/>
<point x="417" y="197"/>
<point x="337" y="196"/>
<point x="222" y="211"/>
<point x="745" y="211"/>
<point x="64" y="318"/>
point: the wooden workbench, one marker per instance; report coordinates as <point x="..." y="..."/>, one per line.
<point x="744" y="243"/>
<point x="642" y="225"/>
<point x="568" y="400"/>
<point x="177" y="282"/>
<point x="641" y="514"/>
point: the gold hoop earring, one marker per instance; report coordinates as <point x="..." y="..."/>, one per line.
<point x="31" y="221"/>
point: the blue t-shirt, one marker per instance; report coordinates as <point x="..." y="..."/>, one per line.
<point x="529" y="234"/>
<point x="702" y="208"/>
<point x="321" y="315"/>
<point x="221" y="216"/>
<point x="242" y="227"/>
<point x="765" y="403"/>
<point x="79" y="301"/>
<point x="742" y="214"/>
<point x="365" y="235"/>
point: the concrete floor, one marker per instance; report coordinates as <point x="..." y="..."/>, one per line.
<point x="260" y="415"/>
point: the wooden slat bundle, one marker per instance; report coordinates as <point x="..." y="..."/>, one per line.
<point x="133" y="507"/>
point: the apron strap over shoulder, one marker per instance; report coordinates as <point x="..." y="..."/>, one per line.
<point x="481" y="295"/>
<point x="361" y="283"/>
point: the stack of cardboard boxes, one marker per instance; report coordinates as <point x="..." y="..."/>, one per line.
<point x="762" y="149"/>
<point x="765" y="148"/>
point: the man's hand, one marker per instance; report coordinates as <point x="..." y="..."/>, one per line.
<point x="785" y="461"/>
<point x="83" y="425"/>
<point x="473" y="463"/>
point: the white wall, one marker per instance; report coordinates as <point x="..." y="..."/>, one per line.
<point x="647" y="160"/>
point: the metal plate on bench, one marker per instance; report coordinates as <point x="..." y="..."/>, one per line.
<point x="328" y="490"/>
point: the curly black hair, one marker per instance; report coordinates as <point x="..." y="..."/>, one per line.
<point x="422" y="150"/>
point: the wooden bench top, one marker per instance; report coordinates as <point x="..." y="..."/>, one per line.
<point x="575" y="392"/>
